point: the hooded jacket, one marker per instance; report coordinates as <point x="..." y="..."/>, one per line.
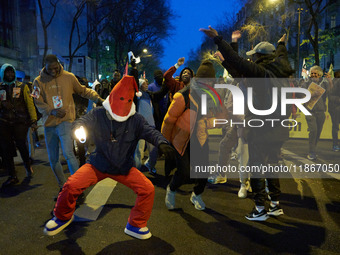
<point x="64" y="85"/>
<point x="116" y="141"/>
<point x="15" y="108"/>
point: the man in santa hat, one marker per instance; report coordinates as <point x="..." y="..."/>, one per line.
<point x="115" y="129"/>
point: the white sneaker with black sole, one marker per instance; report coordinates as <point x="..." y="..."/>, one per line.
<point x="255" y="215"/>
<point x="275" y="210"/>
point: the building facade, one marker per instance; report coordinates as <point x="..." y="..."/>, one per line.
<point x="22" y="39"/>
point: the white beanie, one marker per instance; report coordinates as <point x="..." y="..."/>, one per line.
<point x="141" y="81"/>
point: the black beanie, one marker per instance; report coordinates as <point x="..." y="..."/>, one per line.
<point x="206" y="70"/>
<point x="51" y="59"/>
<point x="157" y="73"/>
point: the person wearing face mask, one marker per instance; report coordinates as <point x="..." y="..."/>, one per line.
<point x="115" y="129"/>
<point x="317" y="119"/>
<point x="54" y="88"/>
<point x="17" y="113"/>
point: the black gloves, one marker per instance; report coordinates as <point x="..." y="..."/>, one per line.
<point x="59" y="113"/>
<point x="168" y="151"/>
<point x="100" y="102"/>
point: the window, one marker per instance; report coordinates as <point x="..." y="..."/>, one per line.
<point x="80" y="60"/>
<point x="6" y="23"/>
<point x="333" y="21"/>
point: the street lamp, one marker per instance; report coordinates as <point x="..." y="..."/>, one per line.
<point x="298" y="39"/>
<point x="145" y="54"/>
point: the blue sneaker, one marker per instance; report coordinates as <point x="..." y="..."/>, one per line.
<point x="336" y="148"/>
<point x="140" y="233"/>
<point x="54" y="226"/>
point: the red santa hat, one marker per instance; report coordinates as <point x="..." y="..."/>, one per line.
<point x="120" y="101"/>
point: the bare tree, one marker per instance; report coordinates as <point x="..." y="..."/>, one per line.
<point x="314" y="8"/>
<point x="136" y="24"/>
<point x="78" y="38"/>
<point x="45" y="24"/>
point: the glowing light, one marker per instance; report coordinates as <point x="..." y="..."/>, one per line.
<point x="80" y="134"/>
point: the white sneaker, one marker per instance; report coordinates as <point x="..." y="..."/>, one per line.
<point x="197" y="201"/>
<point x="170" y="198"/>
<point x="242" y="193"/>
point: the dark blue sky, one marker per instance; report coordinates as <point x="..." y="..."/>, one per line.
<point x="190" y="15"/>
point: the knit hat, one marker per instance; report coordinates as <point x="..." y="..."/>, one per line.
<point x="120" y="101"/>
<point x="206" y="70"/>
<point x="141" y="81"/>
<point x="262" y="48"/>
<point x="157" y="73"/>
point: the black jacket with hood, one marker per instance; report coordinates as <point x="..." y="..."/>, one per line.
<point x="15" y="108"/>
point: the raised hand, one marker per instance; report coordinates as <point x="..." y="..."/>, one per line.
<point x="180" y="61"/>
<point x="282" y="39"/>
<point x="236" y="35"/>
<point x="219" y="55"/>
<point x="209" y="32"/>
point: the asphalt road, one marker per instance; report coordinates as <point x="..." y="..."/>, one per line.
<point x="310" y="225"/>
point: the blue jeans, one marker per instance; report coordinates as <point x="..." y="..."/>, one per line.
<point x="53" y="135"/>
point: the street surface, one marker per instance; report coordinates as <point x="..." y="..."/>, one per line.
<point x="311" y="224"/>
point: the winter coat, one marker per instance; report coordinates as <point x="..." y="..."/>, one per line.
<point x="17" y="108"/>
<point x="162" y="103"/>
<point x="268" y="66"/>
<point x="145" y="108"/>
<point x="181" y="121"/>
<point x="116" y="141"/>
<point x="64" y="85"/>
<point x="172" y="84"/>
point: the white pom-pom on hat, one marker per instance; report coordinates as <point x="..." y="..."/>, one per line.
<point x="138" y="94"/>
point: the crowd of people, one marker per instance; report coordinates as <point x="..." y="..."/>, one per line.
<point x="124" y="117"/>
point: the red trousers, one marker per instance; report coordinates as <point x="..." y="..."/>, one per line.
<point x="88" y="175"/>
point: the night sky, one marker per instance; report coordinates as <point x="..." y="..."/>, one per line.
<point x="190" y="15"/>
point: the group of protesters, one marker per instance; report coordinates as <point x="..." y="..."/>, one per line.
<point x="123" y="117"/>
